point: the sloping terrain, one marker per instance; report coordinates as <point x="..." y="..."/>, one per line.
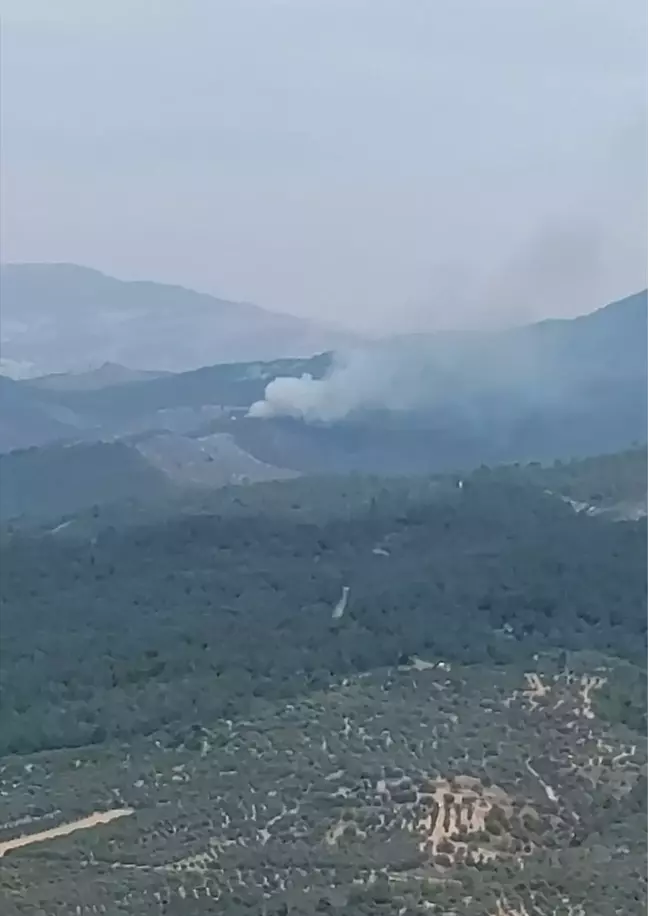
<point x="613" y="486"/>
<point x="25" y="420"/>
<point x="65" y="318"/>
<point x="160" y="475"/>
<point x="558" y="389"/>
<point x="148" y="613"/>
<point x="83" y="407"/>
<point x="105" y="376"/>
<point x="424" y="789"/>
<point x="209" y="461"/>
<point x="59" y="480"/>
<point x="347" y="696"/>
<point x="142" y="405"/>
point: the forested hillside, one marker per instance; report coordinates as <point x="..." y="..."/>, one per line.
<point x="350" y="695"/>
<point x="58" y="480"/>
<point x="308" y="619"/>
<point x="94" y="492"/>
<point x="419" y="790"/>
<point x="115" y="636"/>
<point x="26" y="421"/>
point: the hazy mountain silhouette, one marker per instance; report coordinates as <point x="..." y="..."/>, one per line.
<point x="66" y="318"/>
<point x="557" y="389"/>
<point x="105" y="376"/>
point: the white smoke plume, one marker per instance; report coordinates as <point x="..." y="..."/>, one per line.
<point x="564" y="267"/>
<point x="463" y="375"/>
<point x="377" y="376"/>
<point x="408" y="373"/>
<point x="460" y="371"/>
<point x="349" y="384"/>
<point x="304" y="398"/>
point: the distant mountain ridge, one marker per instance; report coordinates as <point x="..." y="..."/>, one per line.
<point x="558" y="389"/>
<point x="66" y="318"/>
<point x="105" y="376"/>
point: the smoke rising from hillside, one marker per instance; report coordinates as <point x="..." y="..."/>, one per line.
<point x="557" y="269"/>
<point x="416" y="373"/>
<point x="359" y="379"/>
<point x="474" y="377"/>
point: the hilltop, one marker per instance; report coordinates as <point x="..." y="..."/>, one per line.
<point x="67" y="318"/>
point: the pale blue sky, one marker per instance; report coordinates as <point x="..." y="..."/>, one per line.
<point x="384" y="164"/>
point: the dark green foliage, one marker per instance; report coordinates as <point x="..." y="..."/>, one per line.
<point x="191" y="647"/>
<point x="25" y="420"/>
<point x="121" y="634"/>
<point x="624" y="701"/>
<point x="614" y="484"/>
<point x="57" y="480"/>
<point x="258" y="796"/>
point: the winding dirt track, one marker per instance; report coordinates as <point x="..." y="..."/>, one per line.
<point x="84" y="823"/>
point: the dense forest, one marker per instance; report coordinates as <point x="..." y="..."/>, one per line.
<point x="56" y="480"/>
<point x="118" y="629"/>
<point x="344" y="695"/>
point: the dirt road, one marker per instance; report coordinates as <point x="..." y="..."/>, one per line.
<point x="84" y="823"/>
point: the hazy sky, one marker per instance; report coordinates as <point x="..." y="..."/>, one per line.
<point x="382" y="163"/>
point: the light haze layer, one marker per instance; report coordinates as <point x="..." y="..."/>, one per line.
<point x="390" y="165"/>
